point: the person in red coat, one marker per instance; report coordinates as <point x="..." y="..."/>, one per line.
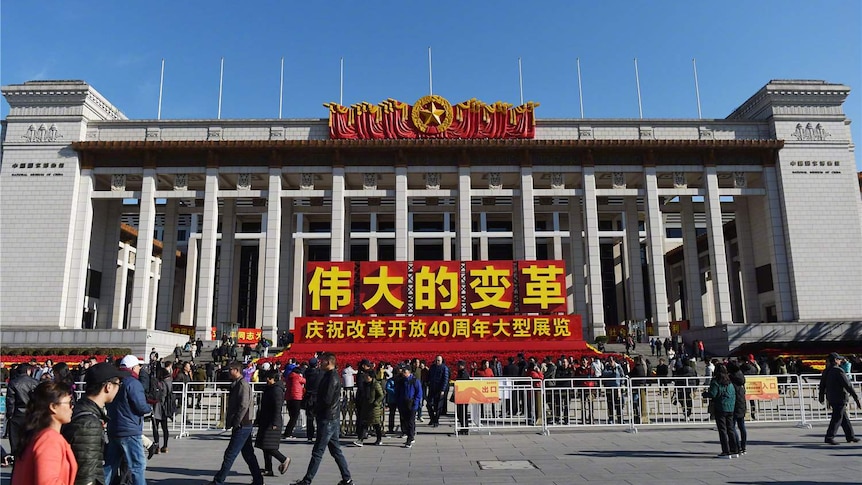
<point x="295" y="391"/>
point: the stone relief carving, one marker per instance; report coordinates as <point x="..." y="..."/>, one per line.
<point x="154" y="134"/>
<point x="679" y="181"/>
<point x="809" y="133"/>
<point x="495" y="181"/>
<point x="181" y="181"/>
<point x="432" y="180"/>
<point x="585" y="133"/>
<point x="306" y="181"/>
<point x="118" y="182"/>
<point x="558" y="181"/>
<point x="369" y="181"/>
<point x="42" y="134"/>
<point x="243" y="181"/>
<point x="646" y="133"/>
<point x="214" y="134"/>
<point x="706" y="134"/>
<point x="619" y="180"/>
<point x="739" y="180"/>
<point x="276" y="133"/>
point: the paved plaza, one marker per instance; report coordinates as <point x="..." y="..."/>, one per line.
<point x="776" y="454"/>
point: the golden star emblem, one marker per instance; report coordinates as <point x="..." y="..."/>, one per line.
<point x="431" y="114"/>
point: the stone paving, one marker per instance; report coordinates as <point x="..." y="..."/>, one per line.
<point x="776" y="454"/>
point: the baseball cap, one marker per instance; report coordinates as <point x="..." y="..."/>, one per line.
<point x="835" y="356"/>
<point x="102" y="373"/>
<point x="129" y="361"/>
<point x="312" y="362"/>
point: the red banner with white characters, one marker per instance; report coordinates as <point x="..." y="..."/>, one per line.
<point x="330" y="288"/>
<point x="490" y="286"/>
<point x="431" y="116"/>
<point x="382" y="287"/>
<point x="542" y="286"/>
<point x="452" y="329"/>
<point x="436" y="287"/>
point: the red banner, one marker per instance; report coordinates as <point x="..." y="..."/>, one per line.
<point x="489" y="286"/>
<point x="542" y="286"/>
<point x="330" y="288"/>
<point x="248" y="335"/>
<point x="381" y="288"/>
<point x="507" y="328"/>
<point x="183" y="329"/>
<point x="431" y="116"/>
<point x="436" y="287"/>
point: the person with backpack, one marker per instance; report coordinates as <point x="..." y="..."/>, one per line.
<point x="164" y="407"/>
<point x="723" y="395"/>
<point x="126" y="425"/>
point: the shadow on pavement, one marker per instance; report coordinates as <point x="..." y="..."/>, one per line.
<point x="643" y="454"/>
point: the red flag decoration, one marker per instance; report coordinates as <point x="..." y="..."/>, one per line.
<point x="431" y="117"/>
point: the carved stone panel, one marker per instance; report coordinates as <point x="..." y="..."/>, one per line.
<point x="811" y="133"/>
<point x="646" y="133"/>
<point x="739" y="180"/>
<point x="214" y="133"/>
<point x="495" y="181"/>
<point x="118" y="182"/>
<point x="432" y="180"/>
<point x="42" y="134"/>
<point x="306" y="181"/>
<point x="369" y="181"/>
<point x="619" y="180"/>
<point x="705" y="134"/>
<point x="276" y="133"/>
<point x="558" y="181"/>
<point x="243" y="181"/>
<point x="679" y="181"/>
<point x="154" y="134"/>
<point x="585" y="132"/>
<point x="181" y="181"/>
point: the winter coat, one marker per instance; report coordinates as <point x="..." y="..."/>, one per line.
<point x="269" y="419"/>
<point x="86" y="436"/>
<point x="239" y="404"/>
<point x="167" y="405"/>
<point x="312" y="382"/>
<point x="738" y="380"/>
<point x="408" y="393"/>
<point x="126" y="413"/>
<point x="836" y="387"/>
<point x="328" y="405"/>
<point x="18" y="395"/>
<point x="438" y="378"/>
<point x="295" y="386"/>
<point x="724" y="396"/>
<point x="370" y="402"/>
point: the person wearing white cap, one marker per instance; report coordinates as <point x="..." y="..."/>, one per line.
<point x="126" y="425"/>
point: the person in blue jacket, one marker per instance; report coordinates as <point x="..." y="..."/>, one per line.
<point x="126" y="425"/>
<point x="408" y="398"/>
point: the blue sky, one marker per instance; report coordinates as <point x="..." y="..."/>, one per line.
<point x="117" y="47"/>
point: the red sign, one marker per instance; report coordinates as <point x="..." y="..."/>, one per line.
<point x="490" y="286"/>
<point x="507" y="328"/>
<point x="542" y="286"/>
<point x="381" y="288"/>
<point x="436" y="287"/>
<point x="248" y="335"/>
<point x="330" y="288"/>
<point x="431" y="116"/>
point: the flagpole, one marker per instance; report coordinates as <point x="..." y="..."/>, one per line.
<point x="580" y="92"/>
<point x="220" y="79"/>
<point x="638" y="82"/>
<point x="161" y="85"/>
<point x="281" y="89"/>
<point x="341" y="85"/>
<point x="430" y="76"/>
<point x="521" y="81"/>
<point x="696" y="88"/>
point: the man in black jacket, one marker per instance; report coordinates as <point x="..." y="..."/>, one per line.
<point x="328" y="413"/>
<point x="86" y="432"/>
<point x="312" y="382"/>
<point x="836" y="388"/>
<point x="438" y="388"/>
<point x="17" y="397"/>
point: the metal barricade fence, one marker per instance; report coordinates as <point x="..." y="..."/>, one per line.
<point x="520" y="406"/>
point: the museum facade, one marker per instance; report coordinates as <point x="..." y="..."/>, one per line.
<point x="663" y="225"/>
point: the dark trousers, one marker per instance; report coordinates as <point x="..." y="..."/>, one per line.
<point x="15" y="429"/>
<point x="267" y="458"/>
<point x="839" y="417"/>
<point x="741" y="433"/>
<point x="408" y="422"/>
<point x="328" y="434"/>
<point x="294" y="407"/>
<point x="240" y="442"/>
<point x="391" y="418"/>
<point x="310" y="431"/>
<point x="726" y="434"/>
<point x="362" y="430"/>
<point x="615" y="405"/>
<point x="435" y="405"/>
<point x="163" y="424"/>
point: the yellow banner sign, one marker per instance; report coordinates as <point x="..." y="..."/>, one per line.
<point x="476" y="392"/>
<point x="761" y="388"/>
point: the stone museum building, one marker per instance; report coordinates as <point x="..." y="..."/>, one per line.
<point x="738" y="229"/>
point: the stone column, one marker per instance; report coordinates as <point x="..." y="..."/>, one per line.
<point x="784" y="304"/>
<point x="272" y="256"/>
<point x="144" y="247"/>
<point x="576" y="248"/>
<point x="110" y="274"/>
<point x="225" y="311"/>
<point x="655" y="236"/>
<point x="465" y="216"/>
<point x="750" y="303"/>
<point x="81" y="229"/>
<point x="122" y="279"/>
<point x="285" y="272"/>
<point x="528" y="214"/>
<point x="634" y="271"/>
<point x="401" y="211"/>
<point x="594" y="263"/>
<point x="187" y="316"/>
<point x="209" y="239"/>
<point x="167" y="277"/>
<point x="691" y="262"/>
<point x="717" y="250"/>
<point x="337" y="227"/>
<point x="155" y="268"/>
<point x="297" y="290"/>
